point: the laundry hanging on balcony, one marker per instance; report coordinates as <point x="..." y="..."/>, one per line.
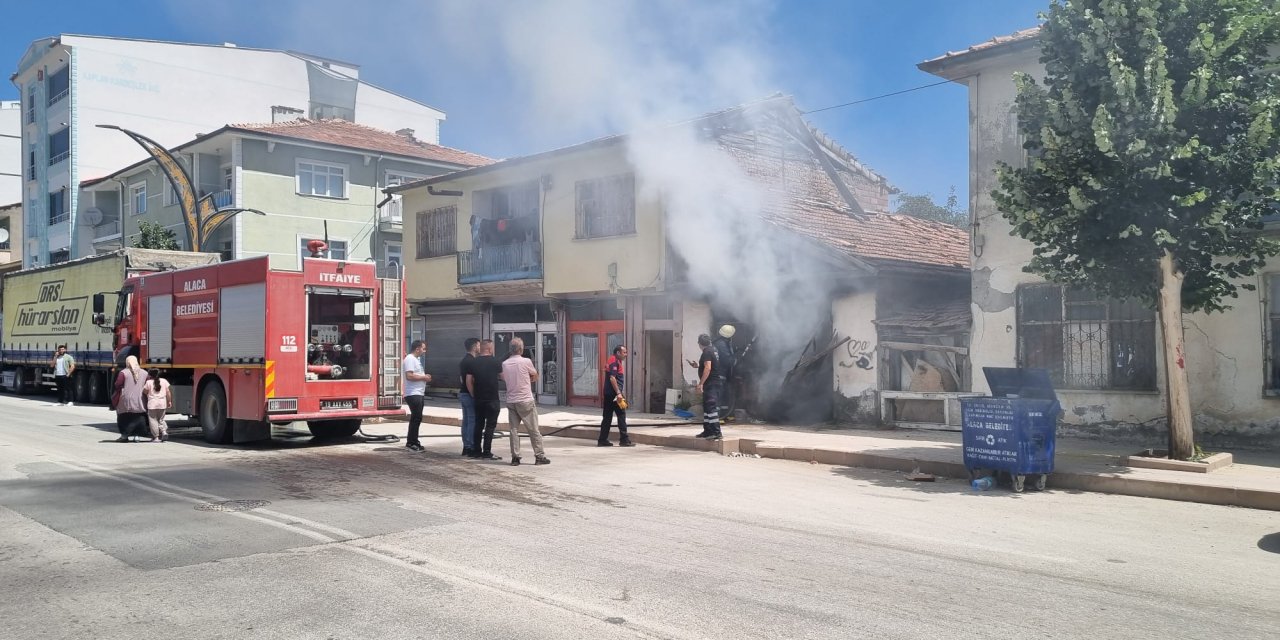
<point x="488" y="232"/>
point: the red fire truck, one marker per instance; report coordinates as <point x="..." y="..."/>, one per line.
<point x="246" y="346"/>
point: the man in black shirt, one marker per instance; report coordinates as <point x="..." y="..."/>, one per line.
<point x="710" y="380"/>
<point x="482" y="383"/>
<point x="468" y="402"/>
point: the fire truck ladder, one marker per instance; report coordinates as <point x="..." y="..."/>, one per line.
<point x="392" y="336"/>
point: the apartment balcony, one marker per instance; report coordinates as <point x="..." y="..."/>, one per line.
<point x="391" y="215"/>
<point x="224" y="199"/>
<point x="500" y="263"/>
<point x="106" y="231"/>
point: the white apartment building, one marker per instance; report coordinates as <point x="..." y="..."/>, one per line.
<point x="170" y="92"/>
<point x="10" y="152"/>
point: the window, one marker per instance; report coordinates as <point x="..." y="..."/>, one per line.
<point x="59" y="146"/>
<point x="396" y="178"/>
<point x="170" y="194"/>
<point x="61" y="255"/>
<point x="59" y="84"/>
<point x="392" y="260"/>
<point x="322" y="179"/>
<point x="606" y="207"/>
<point x="31" y="162"/>
<point x="31" y="104"/>
<point x="337" y="248"/>
<point x="1086" y="342"/>
<point x="228" y="177"/>
<point x="58" y="207"/>
<point x="138" y="198"/>
<point x="437" y="232"/>
<point x="228" y="251"/>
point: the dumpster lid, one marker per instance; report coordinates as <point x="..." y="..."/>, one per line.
<point x="1009" y="382"/>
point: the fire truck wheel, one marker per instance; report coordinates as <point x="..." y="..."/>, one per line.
<point x="213" y="414"/>
<point x="333" y="429"/>
<point x="80" y="386"/>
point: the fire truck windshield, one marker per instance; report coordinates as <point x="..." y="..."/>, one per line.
<point x="338" y="329"/>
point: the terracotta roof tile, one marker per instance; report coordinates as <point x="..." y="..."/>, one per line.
<point x="998" y="41"/>
<point x="804" y="200"/>
<point x="357" y="136"/>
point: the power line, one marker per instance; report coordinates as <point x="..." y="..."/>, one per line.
<point x="886" y="95"/>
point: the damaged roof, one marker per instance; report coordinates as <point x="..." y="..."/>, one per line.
<point x="806" y="199"/>
<point x="343" y="133"/>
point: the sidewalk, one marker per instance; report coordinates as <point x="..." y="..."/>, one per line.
<point x="1080" y="465"/>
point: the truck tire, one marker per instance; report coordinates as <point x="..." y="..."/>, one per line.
<point x="80" y="387"/>
<point x="22" y="382"/>
<point x="333" y="429"/>
<point x="213" y="414"/>
<point x="98" y="388"/>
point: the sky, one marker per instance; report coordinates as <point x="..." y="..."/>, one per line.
<point x="501" y="71"/>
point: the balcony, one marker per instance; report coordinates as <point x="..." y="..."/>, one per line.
<point x="521" y="261"/>
<point x="109" y="230"/>
<point x="391" y="215"/>
<point x="58" y="157"/>
<point x="224" y="199"/>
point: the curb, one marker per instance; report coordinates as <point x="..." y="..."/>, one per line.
<point x="1113" y="484"/>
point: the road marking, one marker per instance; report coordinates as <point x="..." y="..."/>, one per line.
<point x="388" y="554"/>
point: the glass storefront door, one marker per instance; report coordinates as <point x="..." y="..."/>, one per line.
<point x="590" y="344"/>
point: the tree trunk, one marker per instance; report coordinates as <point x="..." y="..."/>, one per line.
<point x="1181" y="444"/>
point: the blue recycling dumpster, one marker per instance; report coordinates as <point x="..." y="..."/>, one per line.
<point x="1012" y="431"/>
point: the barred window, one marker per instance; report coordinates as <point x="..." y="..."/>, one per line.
<point x="606" y="207"/>
<point x="1085" y="341"/>
<point x="1273" y="333"/>
<point x="437" y="232"/>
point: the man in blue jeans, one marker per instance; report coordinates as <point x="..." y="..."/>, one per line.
<point x="468" y="402"/>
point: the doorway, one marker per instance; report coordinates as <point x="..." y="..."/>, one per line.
<point x="659" y="362"/>
<point x="590" y="344"/>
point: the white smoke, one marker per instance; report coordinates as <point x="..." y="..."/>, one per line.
<point x="585" y="68"/>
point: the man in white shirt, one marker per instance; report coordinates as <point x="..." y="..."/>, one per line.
<point x="519" y="374"/>
<point x="63" y="366"/>
<point x="415" y="391"/>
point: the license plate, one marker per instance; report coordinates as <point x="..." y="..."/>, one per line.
<point x="333" y="405"/>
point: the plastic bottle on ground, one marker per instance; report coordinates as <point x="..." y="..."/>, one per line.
<point x="982" y="484"/>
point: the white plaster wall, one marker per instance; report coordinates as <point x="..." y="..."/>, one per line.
<point x="11" y="156"/>
<point x="695" y="319"/>
<point x="1226" y="352"/>
<point x="854" y="316"/>
<point x="379" y="108"/>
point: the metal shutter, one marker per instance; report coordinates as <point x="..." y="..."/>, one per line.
<point x="160" y="329"/>
<point x="242" y="335"/>
<point x="445" y="336"/>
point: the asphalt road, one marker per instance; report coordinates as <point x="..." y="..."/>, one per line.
<point x="366" y="540"/>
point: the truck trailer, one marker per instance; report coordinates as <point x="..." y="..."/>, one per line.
<point x="48" y="306"/>
<point x="246" y="347"/>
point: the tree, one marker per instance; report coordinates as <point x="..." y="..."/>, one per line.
<point x="152" y="235"/>
<point x="1152" y="159"/>
<point x="923" y="206"/>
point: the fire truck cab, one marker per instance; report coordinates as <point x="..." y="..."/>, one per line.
<point x="245" y="346"/>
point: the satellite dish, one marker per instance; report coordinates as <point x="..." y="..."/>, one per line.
<point x="4" y="235"/>
<point x="93" y="216"/>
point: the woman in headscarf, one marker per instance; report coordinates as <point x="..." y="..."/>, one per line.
<point x="131" y="406"/>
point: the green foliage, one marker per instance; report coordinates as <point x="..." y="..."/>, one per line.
<point x="152" y="235"/>
<point x="923" y="206"/>
<point x="1154" y="129"/>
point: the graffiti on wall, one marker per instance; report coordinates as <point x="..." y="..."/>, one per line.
<point x="860" y="354"/>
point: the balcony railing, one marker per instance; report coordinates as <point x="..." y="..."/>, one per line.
<point x="224" y="199"/>
<point x="4" y="246"/>
<point x="59" y="218"/>
<point x="392" y="211"/>
<point x="106" y="231"/>
<point x="58" y="97"/>
<point x="521" y="261"/>
<point x="55" y="159"/>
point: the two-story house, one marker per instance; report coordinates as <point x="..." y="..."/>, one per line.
<point x="313" y="179"/>
<point x="1103" y="355"/>
<point x="577" y="250"/>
